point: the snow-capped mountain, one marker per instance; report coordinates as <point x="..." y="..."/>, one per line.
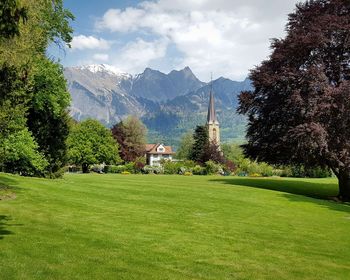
<point x="169" y="104"/>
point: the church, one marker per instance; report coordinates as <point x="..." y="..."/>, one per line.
<point x="212" y="122"/>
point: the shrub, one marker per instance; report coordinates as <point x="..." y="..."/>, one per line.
<point x="229" y="167"/>
<point x="138" y="166"/>
<point x="58" y="174"/>
<point x="247" y="166"/>
<point x="98" y="168"/>
<point x="213" y="168"/>
<point x="171" y="167"/>
<point x="114" y="168"/>
<point x="187" y="173"/>
<point x="301" y="171"/>
<point x="125" y="173"/>
<point x="130" y="167"/>
<point x="265" y="169"/>
<point x="198" y="170"/>
<point x="255" y="175"/>
<point x="153" y="169"/>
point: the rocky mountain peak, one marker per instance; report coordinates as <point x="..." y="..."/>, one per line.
<point x="103" y="68"/>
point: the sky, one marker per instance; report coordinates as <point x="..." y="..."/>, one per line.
<point x="223" y="37"/>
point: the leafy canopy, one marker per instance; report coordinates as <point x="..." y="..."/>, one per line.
<point x="131" y="137"/>
<point x="90" y="143"/>
<point x="299" y="111"/>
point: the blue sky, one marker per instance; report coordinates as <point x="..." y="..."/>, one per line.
<point x="224" y="37"/>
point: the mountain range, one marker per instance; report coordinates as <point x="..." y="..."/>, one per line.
<point x="169" y="104"/>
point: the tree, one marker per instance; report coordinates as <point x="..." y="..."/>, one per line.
<point x="90" y="143"/>
<point x="201" y="144"/>
<point x="131" y="137"/>
<point x="21" y="155"/>
<point x="33" y="92"/>
<point x="10" y="17"/>
<point x="48" y="119"/>
<point x="185" y="148"/>
<point x="232" y="152"/>
<point x="299" y="112"/>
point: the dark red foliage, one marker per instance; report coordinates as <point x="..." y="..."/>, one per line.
<point x="299" y="111"/>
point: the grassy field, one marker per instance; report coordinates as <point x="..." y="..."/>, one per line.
<point x="172" y="227"/>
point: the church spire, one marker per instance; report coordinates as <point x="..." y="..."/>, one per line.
<point x="212" y="122"/>
<point x="211" y="118"/>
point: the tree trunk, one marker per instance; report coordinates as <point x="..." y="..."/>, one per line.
<point x="344" y="186"/>
<point x="85" y="168"/>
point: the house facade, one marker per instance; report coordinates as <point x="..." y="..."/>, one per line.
<point x="156" y="152"/>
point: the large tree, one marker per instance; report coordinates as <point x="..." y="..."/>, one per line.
<point x="186" y="145"/>
<point x="91" y="143"/>
<point x="12" y="13"/>
<point x="33" y="92"/>
<point x="299" y="112"/>
<point x="131" y="137"/>
<point x="200" y="144"/>
<point x="48" y="118"/>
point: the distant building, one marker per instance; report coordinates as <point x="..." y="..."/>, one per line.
<point x="212" y="122"/>
<point x="156" y="152"/>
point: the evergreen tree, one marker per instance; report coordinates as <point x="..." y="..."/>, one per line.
<point x="200" y="147"/>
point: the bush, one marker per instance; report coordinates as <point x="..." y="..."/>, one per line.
<point x="125" y="173"/>
<point x="229" y="167"/>
<point x="138" y="166"/>
<point x="114" y="168"/>
<point x="58" y="174"/>
<point x="265" y="170"/>
<point x="213" y="168"/>
<point x="153" y="169"/>
<point x="187" y="173"/>
<point x="301" y="171"/>
<point x="171" y="167"/>
<point x="247" y="166"/>
<point x="198" y="170"/>
<point x="98" y="168"/>
<point x="255" y="175"/>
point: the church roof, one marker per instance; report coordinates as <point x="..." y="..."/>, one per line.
<point x="211" y="109"/>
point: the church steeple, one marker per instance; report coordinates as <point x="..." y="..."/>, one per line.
<point x="211" y="118"/>
<point x="212" y="122"/>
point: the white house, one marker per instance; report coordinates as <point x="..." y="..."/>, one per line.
<point x="156" y="152"/>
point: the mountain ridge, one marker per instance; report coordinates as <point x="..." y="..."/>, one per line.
<point x="169" y="104"/>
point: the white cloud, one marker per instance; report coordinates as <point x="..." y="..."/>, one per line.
<point x="224" y="37"/>
<point x="103" y="57"/>
<point x="137" y="55"/>
<point x="82" y="42"/>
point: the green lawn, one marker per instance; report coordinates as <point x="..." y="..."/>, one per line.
<point x="172" y="227"/>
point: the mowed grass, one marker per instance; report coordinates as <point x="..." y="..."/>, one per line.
<point x="172" y="227"/>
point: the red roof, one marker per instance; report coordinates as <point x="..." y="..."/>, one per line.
<point x="152" y="149"/>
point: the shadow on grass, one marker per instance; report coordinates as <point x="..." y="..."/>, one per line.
<point x="294" y="189"/>
<point x="294" y="186"/>
<point x="7" y="181"/>
<point x="3" y="224"/>
<point x="8" y="187"/>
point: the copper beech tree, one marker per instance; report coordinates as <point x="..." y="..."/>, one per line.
<point x="299" y="111"/>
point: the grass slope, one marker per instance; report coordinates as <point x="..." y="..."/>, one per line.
<point x="172" y="227"/>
